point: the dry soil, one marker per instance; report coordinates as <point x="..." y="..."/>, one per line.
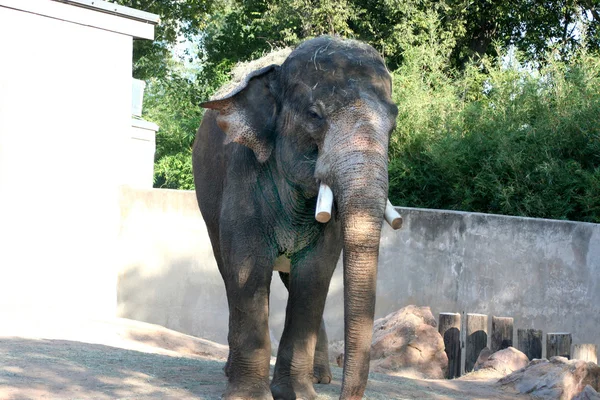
<point x="124" y="359"/>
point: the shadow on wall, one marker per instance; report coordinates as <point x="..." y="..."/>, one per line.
<point x="453" y="351"/>
<point x="187" y="297"/>
<point x="167" y="272"/>
<point x="545" y="274"/>
<point x="476" y="342"/>
<point x="68" y="369"/>
<point x="181" y="296"/>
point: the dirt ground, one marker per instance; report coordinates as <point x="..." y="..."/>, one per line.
<point x="124" y="359"/>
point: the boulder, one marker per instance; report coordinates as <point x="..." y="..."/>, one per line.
<point x="407" y="343"/>
<point x="504" y="361"/>
<point x="558" y="378"/>
<point x="484" y="355"/>
<point x="588" y="394"/>
<point x="336" y="353"/>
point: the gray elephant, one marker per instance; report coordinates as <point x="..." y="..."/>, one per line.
<point x="323" y="116"/>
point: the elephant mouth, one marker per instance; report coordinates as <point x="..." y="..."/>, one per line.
<point x="325" y="204"/>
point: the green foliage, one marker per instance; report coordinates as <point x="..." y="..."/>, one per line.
<point x="537" y="26"/>
<point x="238" y="30"/>
<point x="246" y="29"/>
<point x="174" y="171"/>
<point x="499" y="139"/>
<point x="473" y="133"/>
<point x="394" y="27"/>
<point x="178" y="19"/>
<point x="172" y="103"/>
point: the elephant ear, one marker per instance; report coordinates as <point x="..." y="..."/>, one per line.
<point x="247" y="112"/>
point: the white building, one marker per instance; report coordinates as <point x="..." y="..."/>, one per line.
<point x="67" y="144"/>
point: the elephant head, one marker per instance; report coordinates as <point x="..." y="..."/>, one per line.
<point x="325" y="116"/>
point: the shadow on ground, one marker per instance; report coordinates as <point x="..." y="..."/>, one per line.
<point x="67" y="369"/>
<point x="33" y="369"/>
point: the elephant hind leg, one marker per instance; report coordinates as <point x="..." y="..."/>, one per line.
<point x="322" y="371"/>
<point x="321" y="367"/>
<point x="227" y="366"/>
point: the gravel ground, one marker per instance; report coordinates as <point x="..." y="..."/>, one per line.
<point x="124" y="359"/>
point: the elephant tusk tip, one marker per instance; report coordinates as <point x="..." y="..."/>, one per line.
<point x="396" y="223"/>
<point x="323" y="217"/>
<point x="324" y="204"/>
<point x="392" y="217"/>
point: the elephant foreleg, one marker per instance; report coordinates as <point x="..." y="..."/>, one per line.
<point x="321" y="367"/>
<point x="247" y="277"/>
<point x="310" y="275"/>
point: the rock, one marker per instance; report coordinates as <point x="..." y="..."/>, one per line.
<point x="484" y="355"/>
<point x="407" y="343"/>
<point x="504" y="361"/>
<point x="336" y="353"/>
<point x="558" y="378"/>
<point x="588" y="394"/>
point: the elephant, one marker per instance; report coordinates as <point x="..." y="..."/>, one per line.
<point x="323" y="116"/>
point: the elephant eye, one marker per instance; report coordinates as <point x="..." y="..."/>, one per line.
<point x="314" y="121"/>
<point x="314" y="114"/>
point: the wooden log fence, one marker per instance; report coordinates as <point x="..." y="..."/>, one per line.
<point x="585" y="352"/>
<point x="529" y="341"/>
<point x="558" y="344"/>
<point x="502" y="333"/>
<point x="477" y="337"/>
<point x="449" y="328"/>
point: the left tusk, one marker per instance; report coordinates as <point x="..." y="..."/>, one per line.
<point x="392" y="217"/>
<point x="324" y="204"/>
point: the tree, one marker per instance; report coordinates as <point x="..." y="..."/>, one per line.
<point x="532" y="26"/>
<point x="172" y="103"/>
<point x="178" y="19"/>
<point x="246" y="29"/>
<point x="238" y="30"/>
<point x="448" y="35"/>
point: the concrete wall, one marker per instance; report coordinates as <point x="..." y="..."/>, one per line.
<point x="65" y="119"/>
<point x="167" y="273"/>
<point x="544" y="273"/>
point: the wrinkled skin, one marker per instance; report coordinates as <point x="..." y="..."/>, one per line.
<point x="324" y="115"/>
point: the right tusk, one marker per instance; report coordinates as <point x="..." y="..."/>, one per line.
<point x="392" y="217"/>
<point x="324" y="204"/>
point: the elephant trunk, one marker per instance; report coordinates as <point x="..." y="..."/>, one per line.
<point x="360" y="189"/>
<point x="360" y="276"/>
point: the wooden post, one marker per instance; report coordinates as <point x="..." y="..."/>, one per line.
<point x="449" y="328"/>
<point x="476" y="338"/>
<point x="502" y="333"/>
<point x="530" y="342"/>
<point x="558" y="344"/>
<point x="585" y="352"/>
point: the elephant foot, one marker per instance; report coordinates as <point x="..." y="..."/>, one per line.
<point x="285" y="391"/>
<point x="247" y="392"/>
<point x="322" y="374"/>
<point x="226" y="368"/>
